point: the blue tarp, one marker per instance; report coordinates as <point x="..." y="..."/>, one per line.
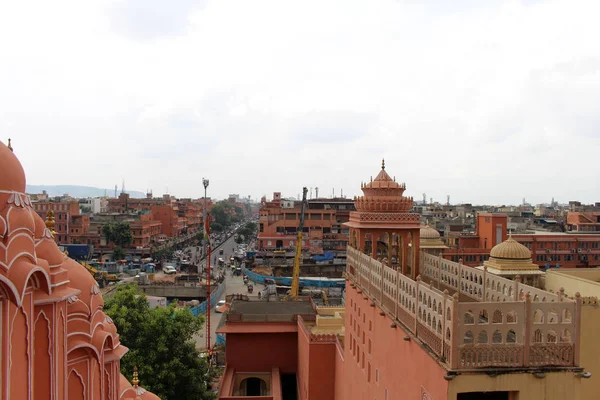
<point x="327" y="256"/>
<point x="314" y="282"/>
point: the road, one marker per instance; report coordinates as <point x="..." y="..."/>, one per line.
<point x="232" y="285"/>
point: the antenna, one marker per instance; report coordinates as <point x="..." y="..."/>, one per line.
<point x="342" y="193"/>
<point x="333" y="193"/>
<point x="116" y="186"/>
<point x="310" y="197"/>
<point x="317" y="192"/>
<point x="424" y="198"/>
<point x="447" y="199"/>
<point x="123" y="186"/>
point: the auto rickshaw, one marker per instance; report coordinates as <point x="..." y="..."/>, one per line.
<point x="250" y="288"/>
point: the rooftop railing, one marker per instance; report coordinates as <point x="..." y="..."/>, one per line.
<point x="506" y="323"/>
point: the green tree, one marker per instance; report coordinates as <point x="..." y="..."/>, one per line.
<point x="120" y="234"/>
<point x="160" y="345"/>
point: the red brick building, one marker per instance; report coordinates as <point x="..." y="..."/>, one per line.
<point x="168" y="214"/>
<point x="575" y="249"/>
<point x="323" y="224"/>
<point x="145" y="231"/>
<point x="63" y="211"/>
<point x="125" y="204"/>
<point x="583" y="222"/>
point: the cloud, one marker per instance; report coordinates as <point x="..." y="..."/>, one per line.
<point x="486" y="101"/>
<point x="330" y="127"/>
<point x="152" y="19"/>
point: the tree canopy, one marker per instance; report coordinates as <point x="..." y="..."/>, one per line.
<point x="117" y="233"/>
<point x="160" y="345"/>
<point x="224" y="214"/>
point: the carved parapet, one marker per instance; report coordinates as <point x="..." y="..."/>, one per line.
<point x="323" y="338"/>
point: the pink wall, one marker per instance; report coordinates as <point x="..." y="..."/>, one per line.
<point x="340" y="385"/>
<point x="260" y="352"/>
<point x="316" y="368"/>
<point x="404" y="366"/>
<point x="303" y="375"/>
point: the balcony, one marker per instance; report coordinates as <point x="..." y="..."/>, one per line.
<point x="501" y="323"/>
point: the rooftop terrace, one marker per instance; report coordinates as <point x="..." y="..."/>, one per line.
<point x="499" y="324"/>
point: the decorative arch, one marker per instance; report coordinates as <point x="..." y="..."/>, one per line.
<point x="76" y="386"/>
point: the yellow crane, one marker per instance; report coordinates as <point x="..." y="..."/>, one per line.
<point x="296" y="273"/>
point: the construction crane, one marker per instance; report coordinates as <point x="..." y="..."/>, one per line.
<point x="296" y="274"/>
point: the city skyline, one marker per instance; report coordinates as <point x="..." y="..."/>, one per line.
<point x="273" y="96"/>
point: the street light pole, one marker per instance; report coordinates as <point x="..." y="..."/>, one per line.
<point x="207" y="258"/>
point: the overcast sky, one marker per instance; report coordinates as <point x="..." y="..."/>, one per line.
<point x="487" y="101"/>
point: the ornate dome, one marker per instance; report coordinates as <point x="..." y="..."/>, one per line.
<point x="12" y="177"/>
<point x="383" y="194"/>
<point x="427" y="232"/>
<point x="510" y="249"/>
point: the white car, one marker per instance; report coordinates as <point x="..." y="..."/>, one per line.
<point x="169" y="269"/>
<point x="219" y="306"/>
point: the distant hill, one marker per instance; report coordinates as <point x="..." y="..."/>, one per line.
<point x="78" y="191"/>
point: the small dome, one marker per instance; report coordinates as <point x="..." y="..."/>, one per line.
<point x="510" y="249"/>
<point x="12" y="177"/>
<point x="428" y="232"/>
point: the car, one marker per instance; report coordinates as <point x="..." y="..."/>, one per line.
<point x="169" y="269"/>
<point x="221" y="306"/>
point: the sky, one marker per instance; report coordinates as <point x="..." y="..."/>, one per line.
<point x="488" y="101"/>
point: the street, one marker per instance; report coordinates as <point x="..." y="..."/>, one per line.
<point x="233" y="285"/>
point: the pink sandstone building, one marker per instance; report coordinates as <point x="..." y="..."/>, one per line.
<point x="56" y="342"/>
<point x="414" y="325"/>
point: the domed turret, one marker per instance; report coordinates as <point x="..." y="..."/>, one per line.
<point x="12" y="177"/>
<point x="510" y="249"/>
<point x="509" y="259"/>
<point x="427" y="232"/>
<point x="383" y="194"/>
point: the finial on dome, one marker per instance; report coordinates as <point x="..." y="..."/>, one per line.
<point x="135" y="381"/>
<point x="383" y="163"/>
<point x="50" y="222"/>
<point x="9" y="146"/>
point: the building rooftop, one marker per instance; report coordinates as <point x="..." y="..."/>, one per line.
<point x="271" y="307"/>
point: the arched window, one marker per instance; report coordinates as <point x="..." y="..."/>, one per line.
<point x="511" y="337"/>
<point x="511" y="317"/>
<point x="483" y="317"/>
<point x="552" y="316"/>
<point x="253" y="387"/>
<point x="538" y="316"/>
<point x="497" y="317"/>
<point x="468" y="339"/>
<point x="469" y="320"/>
<point x="566" y="318"/>
<point x="537" y="336"/>
<point x="565" y="337"/>
<point x="448" y="334"/>
<point x="482" y="337"/>
<point x="551" y="337"/>
<point x="497" y="337"/>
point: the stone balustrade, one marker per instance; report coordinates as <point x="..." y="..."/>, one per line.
<point x="503" y="324"/>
